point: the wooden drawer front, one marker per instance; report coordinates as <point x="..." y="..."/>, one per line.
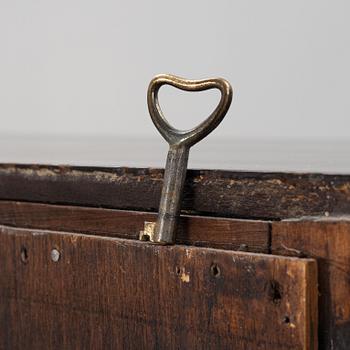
<point x="108" y="293"/>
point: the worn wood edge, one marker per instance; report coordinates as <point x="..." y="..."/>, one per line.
<point x="224" y="233"/>
<point x="120" y="241"/>
<point x="222" y="193"/>
<point x="324" y="219"/>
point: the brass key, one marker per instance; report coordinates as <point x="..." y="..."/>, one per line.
<point x="180" y="142"/>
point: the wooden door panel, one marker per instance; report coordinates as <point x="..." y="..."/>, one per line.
<point x="108" y="293"/>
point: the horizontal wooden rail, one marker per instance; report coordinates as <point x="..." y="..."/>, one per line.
<point x="207" y="192"/>
<point x="246" y="235"/>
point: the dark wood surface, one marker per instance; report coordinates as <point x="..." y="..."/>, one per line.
<point x="234" y="234"/>
<point x="327" y="241"/>
<point x="74" y="199"/>
<point x="207" y="192"/>
<point x="106" y="293"/>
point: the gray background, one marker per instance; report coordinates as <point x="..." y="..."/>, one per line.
<point x="81" y="68"/>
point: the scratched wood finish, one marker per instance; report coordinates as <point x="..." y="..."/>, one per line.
<point x="246" y="235"/>
<point x="328" y="241"/>
<point x="107" y="293"/>
<point x="207" y="192"/>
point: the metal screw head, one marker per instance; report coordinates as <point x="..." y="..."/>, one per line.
<point x="55" y="255"/>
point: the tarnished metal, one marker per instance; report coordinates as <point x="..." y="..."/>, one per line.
<point x="148" y="231"/>
<point x="180" y="142"/>
<point x="55" y="255"/>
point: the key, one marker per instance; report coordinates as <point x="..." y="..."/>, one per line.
<point x="180" y="142"/>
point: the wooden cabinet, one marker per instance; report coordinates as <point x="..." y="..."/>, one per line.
<point x="261" y="261"/>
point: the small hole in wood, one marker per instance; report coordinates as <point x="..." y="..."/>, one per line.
<point x="178" y="270"/>
<point x="215" y="270"/>
<point x="286" y="319"/>
<point x="145" y="237"/>
<point x="24" y="255"/>
<point x="275" y="292"/>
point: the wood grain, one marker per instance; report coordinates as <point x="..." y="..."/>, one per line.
<point x="107" y="293"/>
<point x="327" y="241"/>
<point x="207" y="192"/>
<point x="234" y="234"/>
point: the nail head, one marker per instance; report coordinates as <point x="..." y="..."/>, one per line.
<point x="55" y="255"/>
